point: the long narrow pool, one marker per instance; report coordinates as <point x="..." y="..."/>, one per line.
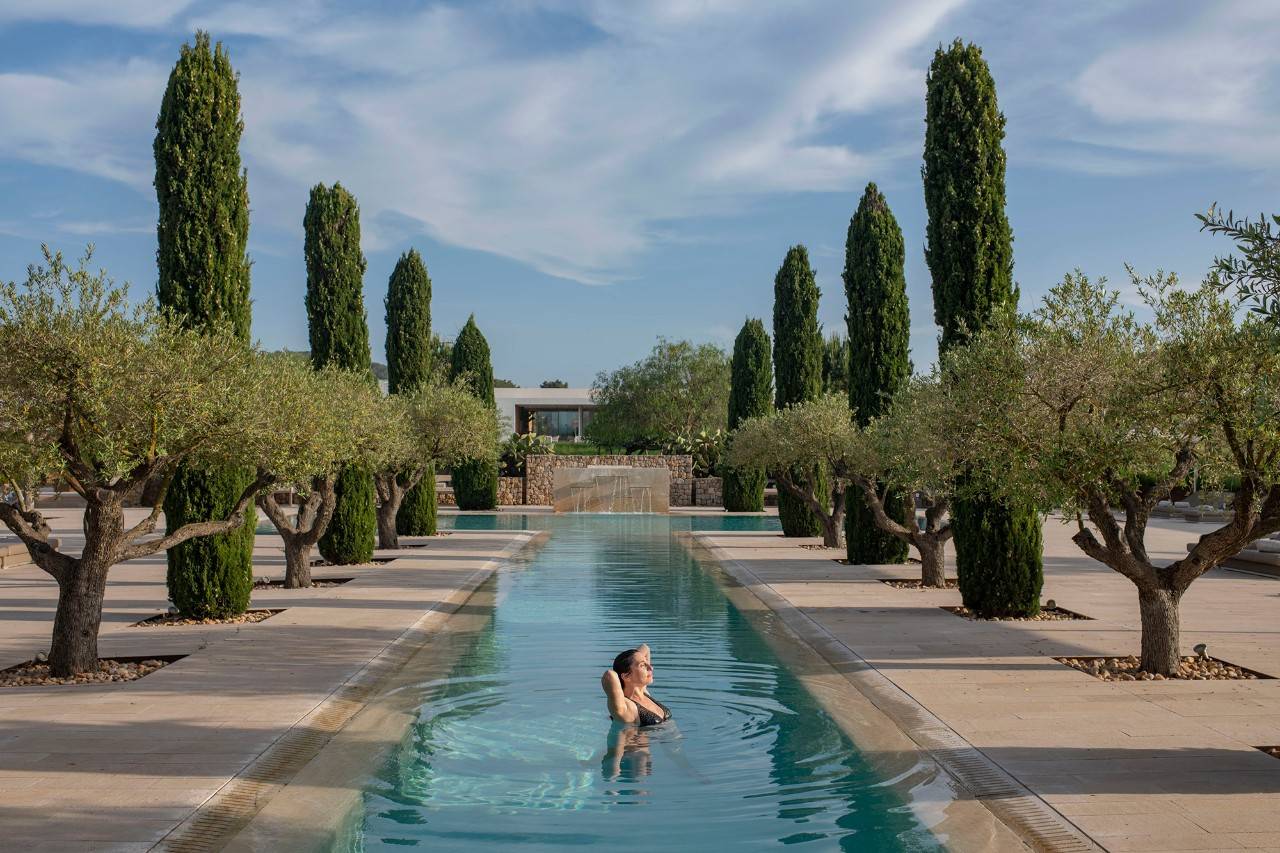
<point x="514" y="749"/>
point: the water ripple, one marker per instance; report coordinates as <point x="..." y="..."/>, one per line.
<point x="514" y="748"/>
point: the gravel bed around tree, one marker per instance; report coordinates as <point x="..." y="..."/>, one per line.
<point x="1046" y="614"/>
<point x="908" y="583"/>
<point x="824" y="548"/>
<point x="35" y="673"/>
<point x="169" y="620"/>
<point x="376" y="561"/>
<point x="1192" y="668"/>
<point x="316" y="583"/>
<point x="1273" y="751"/>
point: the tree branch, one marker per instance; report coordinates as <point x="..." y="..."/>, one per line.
<point x="200" y="528"/>
<point x="30" y="526"/>
<point x="268" y="504"/>
<point x="876" y="504"/>
<point x="807" y="497"/>
<point x="148" y="524"/>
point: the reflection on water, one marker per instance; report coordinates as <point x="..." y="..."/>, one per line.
<point x="514" y="748"/>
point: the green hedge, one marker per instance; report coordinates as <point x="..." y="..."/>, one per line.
<point x="865" y="543"/>
<point x="475" y="484"/>
<point x="209" y="577"/>
<point x="744" y="490"/>
<point x="998" y="557"/>
<point x="349" y="537"/>
<point x="417" y="515"/>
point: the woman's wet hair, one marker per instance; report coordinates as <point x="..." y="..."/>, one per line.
<point x="622" y="663"/>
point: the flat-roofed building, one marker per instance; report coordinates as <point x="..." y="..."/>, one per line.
<point x="562" y="413"/>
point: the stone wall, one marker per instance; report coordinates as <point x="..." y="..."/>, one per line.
<point x="708" y="491"/>
<point x="540" y="486"/>
<point x="13" y="553"/>
<point x="510" y="491"/>
<point x="444" y="497"/>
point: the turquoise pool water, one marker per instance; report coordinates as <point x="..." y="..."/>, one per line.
<point x="514" y="750"/>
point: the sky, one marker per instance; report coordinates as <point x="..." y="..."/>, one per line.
<point x="586" y="176"/>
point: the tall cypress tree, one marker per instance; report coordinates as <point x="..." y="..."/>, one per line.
<point x="750" y="396"/>
<point x="409" y="348"/>
<point x="797" y="365"/>
<point x="879" y="363"/>
<point x="339" y="335"/>
<point x="202" y="232"/>
<point x="970" y="255"/>
<point x="475" y="481"/>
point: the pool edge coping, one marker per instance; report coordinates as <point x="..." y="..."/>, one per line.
<point x="1035" y="823"/>
<point x="218" y="822"/>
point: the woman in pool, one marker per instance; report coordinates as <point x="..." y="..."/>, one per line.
<point x="624" y="688"/>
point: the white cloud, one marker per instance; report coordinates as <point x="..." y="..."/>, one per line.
<point x="120" y="13"/>
<point x="90" y="228"/>
<point x="96" y="119"/>
<point x="570" y="157"/>
<point x="1201" y="89"/>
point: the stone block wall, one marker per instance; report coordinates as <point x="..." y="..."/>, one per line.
<point x="510" y="491"/>
<point x="539" y="488"/>
<point x="13" y="553"/>
<point x="444" y="497"/>
<point x="708" y="491"/>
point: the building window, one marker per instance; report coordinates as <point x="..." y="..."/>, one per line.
<point x="561" y="423"/>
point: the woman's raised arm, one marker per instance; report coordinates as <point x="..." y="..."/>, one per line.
<point x="619" y="708"/>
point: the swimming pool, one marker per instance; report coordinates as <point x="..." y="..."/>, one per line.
<point x="513" y="749"/>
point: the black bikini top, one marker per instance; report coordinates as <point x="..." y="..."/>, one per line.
<point x="648" y="718"/>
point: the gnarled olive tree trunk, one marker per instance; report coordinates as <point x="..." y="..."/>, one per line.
<point x="832" y="523"/>
<point x="82" y="580"/>
<point x="1255" y="514"/>
<point x="391" y="487"/>
<point x="1161" y="629"/>
<point x="301" y="534"/>
<point x="930" y="542"/>
<point x="82" y="587"/>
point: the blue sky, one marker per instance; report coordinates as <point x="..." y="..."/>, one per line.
<point x="586" y="176"/>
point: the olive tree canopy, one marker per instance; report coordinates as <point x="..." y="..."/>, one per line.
<point x="678" y="389"/>
<point x="105" y="396"/>
<point x="1082" y="407"/>
<point x="794" y="439"/>
<point x="437" y="424"/>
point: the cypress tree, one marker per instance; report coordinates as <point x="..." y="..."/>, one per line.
<point x="835" y="365"/>
<point x="409" y="348"/>
<point x="750" y="396"/>
<point x="202" y="233"/>
<point x="797" y="364"/>
<point x="879" y="363"/>
<point x="970" y="255"/>
<point x="475" y="481"/>
<point x="339" y="335"/>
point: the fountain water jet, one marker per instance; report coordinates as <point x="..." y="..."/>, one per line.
<point x="611" y="488"/>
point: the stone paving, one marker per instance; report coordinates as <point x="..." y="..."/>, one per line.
<point x="118" y="766"/>
<point x="1135" y="765"/>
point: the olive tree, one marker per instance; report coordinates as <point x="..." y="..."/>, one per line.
<point x="909" y="451"/>
<point x="1081" y="406"/>
<point x="436" y="424"/>
<point x="679" y="388"/>
<point x="324" y="422"/>
<point x="1255" y="272"/>
<point x="791" y="441"/>
<point x="105" y="397"/>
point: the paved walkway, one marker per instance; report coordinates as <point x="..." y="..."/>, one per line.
<point x="1135" y="765"/>
<point x="118" y="766"/>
